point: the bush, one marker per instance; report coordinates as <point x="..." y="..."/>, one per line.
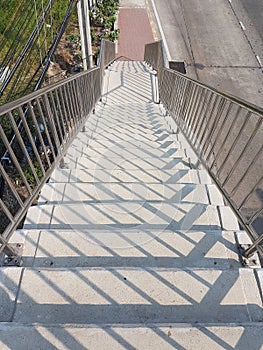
<point x="103" y="17"/>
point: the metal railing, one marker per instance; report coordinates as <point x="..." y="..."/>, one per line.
<point x="227" y="136"/>
<point x="50" y="118"/>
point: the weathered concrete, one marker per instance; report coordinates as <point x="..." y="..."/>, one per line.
<point x="129" y="295"/>
<point x="128" y="248"/>
<point x="131" y="248"/>
<point x="146" y="337"/>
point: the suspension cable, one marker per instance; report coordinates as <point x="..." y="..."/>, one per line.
<point x="38" y="33"/>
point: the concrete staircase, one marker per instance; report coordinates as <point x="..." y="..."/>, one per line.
<point x="129" y="246"/>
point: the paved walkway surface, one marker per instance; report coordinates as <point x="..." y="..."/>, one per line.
<point x="135" y="31"/>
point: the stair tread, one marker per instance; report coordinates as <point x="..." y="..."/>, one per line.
<point x="136" y="295"/>
<point x="131" y="175"/>
<point x="131" y="248"/>
<point x="138" y="214"/>
<point x="68" y="193"/>
<point x="240" y="336"/>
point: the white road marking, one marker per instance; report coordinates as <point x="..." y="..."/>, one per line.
<point x="259" y="60"/>
<point x="242" y="25"/>
<point x="168" y="55"/>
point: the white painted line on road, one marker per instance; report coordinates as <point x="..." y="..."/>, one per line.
<point x="168" y="56"/>
<point x="242" y="25"/>
<point x="259" y="60"/>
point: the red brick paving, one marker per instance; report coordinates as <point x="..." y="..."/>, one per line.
<point x="135" y="32"/>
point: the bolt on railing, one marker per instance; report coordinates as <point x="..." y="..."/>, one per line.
<point x="226" y="134"/>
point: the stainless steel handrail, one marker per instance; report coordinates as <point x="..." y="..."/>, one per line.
<point x="53" y="117"/>
<point x="226" y="134"/>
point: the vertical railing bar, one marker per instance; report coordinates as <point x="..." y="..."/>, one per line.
<point x="54" y="109"/>
<point x="219" y="134"/>
<point x="53" y="128"/>
<point x="190" y="105"/>
<point x="187" y="103"/>
<point x="14" y="159"/>
<point x="5" y="244"/>
<point x="10" y="185"/>
<point x="204" y="116"/>
<point x="214" y="127"/>
<point x="256" y="214"/>
<point x="185" y="100"/>
<point x="237" y="138"/>
<point x="61" y="116"/>
<point x="70" y="103"/>
<point x="244" y="148"/>
<point x="6" y="211"/>
<point x="200" y="118"/>
<point x="32" y="113"/>
<point x="250" y="194"/>
<point x="50" y="143"/>
<point x="206" y="130"/>
<point x="66" y="110"/>
<point x="79" y="95"/>
<point x="23" y="147"/>
<point x="74" y="101"/>
<point x="182" y="96"/>
<point x="195" y="108"/>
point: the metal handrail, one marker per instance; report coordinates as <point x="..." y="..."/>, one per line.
<point x="53" y="117"/>
<point x="226" y="134"/>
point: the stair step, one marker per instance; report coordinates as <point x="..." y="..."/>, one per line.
<point x="135" y="295"/>
<point x="110" y="192"/>
<point x="163" y="145"/>
<point x="115" y="135"/>
<point x="141" y="215"/>
<point x="124" y="153"/>
<point x="145" y="163"/>
<point x="241" y="336"/>
<point x="169" y="176"/>
<point x="131" y="248"/>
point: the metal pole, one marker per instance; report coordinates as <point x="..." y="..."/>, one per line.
<point x="85" y="37"/>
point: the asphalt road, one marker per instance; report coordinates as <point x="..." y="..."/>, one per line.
<point x="221" y="42"/>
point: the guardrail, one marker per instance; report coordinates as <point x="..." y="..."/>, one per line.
<point x="227" y="136"/>
<point x="50" y="118"/>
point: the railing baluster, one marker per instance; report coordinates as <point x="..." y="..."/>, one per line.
<point x="14" y="159"/>
<point x="207" y="118"/>
<point x="23" y="147"/>
<point x="29" y="134"/>
<point x="10" y="185"/>
<point x="237" y="138"/>
<point x="61" y="110"/>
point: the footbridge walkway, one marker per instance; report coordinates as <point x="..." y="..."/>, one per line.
<point x="145" y="231"/>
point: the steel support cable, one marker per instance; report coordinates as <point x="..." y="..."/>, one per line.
<point x="22" y="74"/>
<point x="19" y="34"/>
<point x="53" y="47"/>
<point x="45" y="30"/>
<point x="38" y="32"/>
<point x="16" y="85"/>
<point x="15" y="48"/>
<point x="13" y="24"/>
<point x="11" y="20"/>
<point x="24" y="51"/>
